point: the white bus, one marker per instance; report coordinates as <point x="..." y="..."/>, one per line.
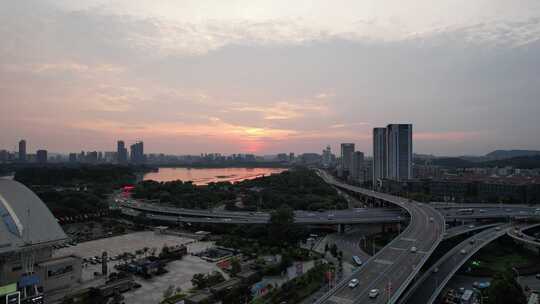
<point x="465" y="211"/>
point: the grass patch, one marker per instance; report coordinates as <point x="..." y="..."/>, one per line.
<point x="498" y="254"/>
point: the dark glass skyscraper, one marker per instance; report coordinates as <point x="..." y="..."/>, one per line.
<point x="22" y="150"/>
<point x="137" y="153"/>
<point x="121" y="152"/>
<point x="347" y="150"/>
<point x="399" y="139"/>
<point x="379" y="155"/>
<point x="392" y="152"/>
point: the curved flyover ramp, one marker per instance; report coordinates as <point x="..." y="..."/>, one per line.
<point x="394" y="266"/>
<point x="427" y="288"/>
<point x="464" y="229"/>
<point x="519" y="236"/>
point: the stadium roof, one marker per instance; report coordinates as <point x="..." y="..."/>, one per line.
<point x="25" y="221"/>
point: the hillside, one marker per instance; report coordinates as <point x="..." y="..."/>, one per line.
<point x="506" y="154"/>
<point x="522" y="162"/>
<point x="453" y="162"/>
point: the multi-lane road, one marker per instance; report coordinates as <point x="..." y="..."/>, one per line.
<point x="463" y="229"/>
<point x="520" y="236"/>
<point x="349" y="216"/>
<point x="394" y="266"/>
<point x="430" y="284"/>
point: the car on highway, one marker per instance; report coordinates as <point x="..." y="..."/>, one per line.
<point x="471" y="226"/>
<point x="413" y="249"/>
<point x="471" y="241"/>
<point x="538" y="276"/>
<point x="373" y="293"/>
<point x="482" y="210"/>
<point x="463" y="251"/>
<point x="508" y="210"/>
<point x="436" y="269"/>
<point x="353" y="283"/>
<point x="498" y="228"/>
<point x="431" y="219"/>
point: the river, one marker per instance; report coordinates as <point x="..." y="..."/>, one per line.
<point x="203" y="176"/>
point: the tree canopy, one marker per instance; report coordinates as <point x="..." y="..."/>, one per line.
<point x="505" y="289"/>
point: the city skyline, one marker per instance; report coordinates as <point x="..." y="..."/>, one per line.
<point x="200" y="76"/>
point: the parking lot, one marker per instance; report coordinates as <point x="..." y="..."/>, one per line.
<point x="123" y="243"/>
<point x="151" y="291"/>
<point x="179" y="275"/>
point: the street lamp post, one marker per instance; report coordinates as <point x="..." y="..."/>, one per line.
<point x="517" y="274"/>
<point x="388" y="286"/>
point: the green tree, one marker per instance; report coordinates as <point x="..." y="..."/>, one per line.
<point x="235" y="266"/>
<point x="334" y="250"/>
<point x="281" y="225"/>
<point x="199" y="280"/>
<point x="505" y="289"/>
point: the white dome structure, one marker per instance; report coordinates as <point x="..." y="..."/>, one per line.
<point x="25" y="221"/>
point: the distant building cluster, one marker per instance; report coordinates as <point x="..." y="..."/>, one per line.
<point x="352" y="165"/>
<point x="494" y="189"/>
<point x="42" y="156"/>
<point x="135" y="155"/>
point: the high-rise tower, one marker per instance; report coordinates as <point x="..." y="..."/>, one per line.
<point x="379" y="155"/>
<point x="399" y="145"/>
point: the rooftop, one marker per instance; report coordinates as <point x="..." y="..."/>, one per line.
<point x="25" y="221"/>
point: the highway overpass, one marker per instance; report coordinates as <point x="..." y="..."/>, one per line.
<point x="427" y="288"/>
<point x="367" y="217"/>
<point x="520" y="236"/>
<point x="464" y="229"/>
<point x="392" y="268"/>
<point x="348" y="216"/>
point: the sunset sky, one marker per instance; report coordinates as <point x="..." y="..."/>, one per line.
<point x="269" y="76"/>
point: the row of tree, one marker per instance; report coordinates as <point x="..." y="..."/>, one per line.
<point x="185" y="194"/>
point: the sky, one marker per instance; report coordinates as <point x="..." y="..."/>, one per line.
<point x="269" y="76"/>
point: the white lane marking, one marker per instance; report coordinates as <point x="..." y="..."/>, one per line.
<point x="337" y="299"/>
<point x="408" y="239"/>
<point x="396" y="248"/>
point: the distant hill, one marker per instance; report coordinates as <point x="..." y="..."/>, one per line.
<point x="505" y="154"/>
<point x="522" y="162"/>
<point x="452" y="162"/>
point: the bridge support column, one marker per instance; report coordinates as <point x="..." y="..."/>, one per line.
<point x="390" y="227"/>
<point x="341" y="228"/>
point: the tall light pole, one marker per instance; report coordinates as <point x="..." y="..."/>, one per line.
<point x="517" y="275"/>
<point x="388" y="286"/>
